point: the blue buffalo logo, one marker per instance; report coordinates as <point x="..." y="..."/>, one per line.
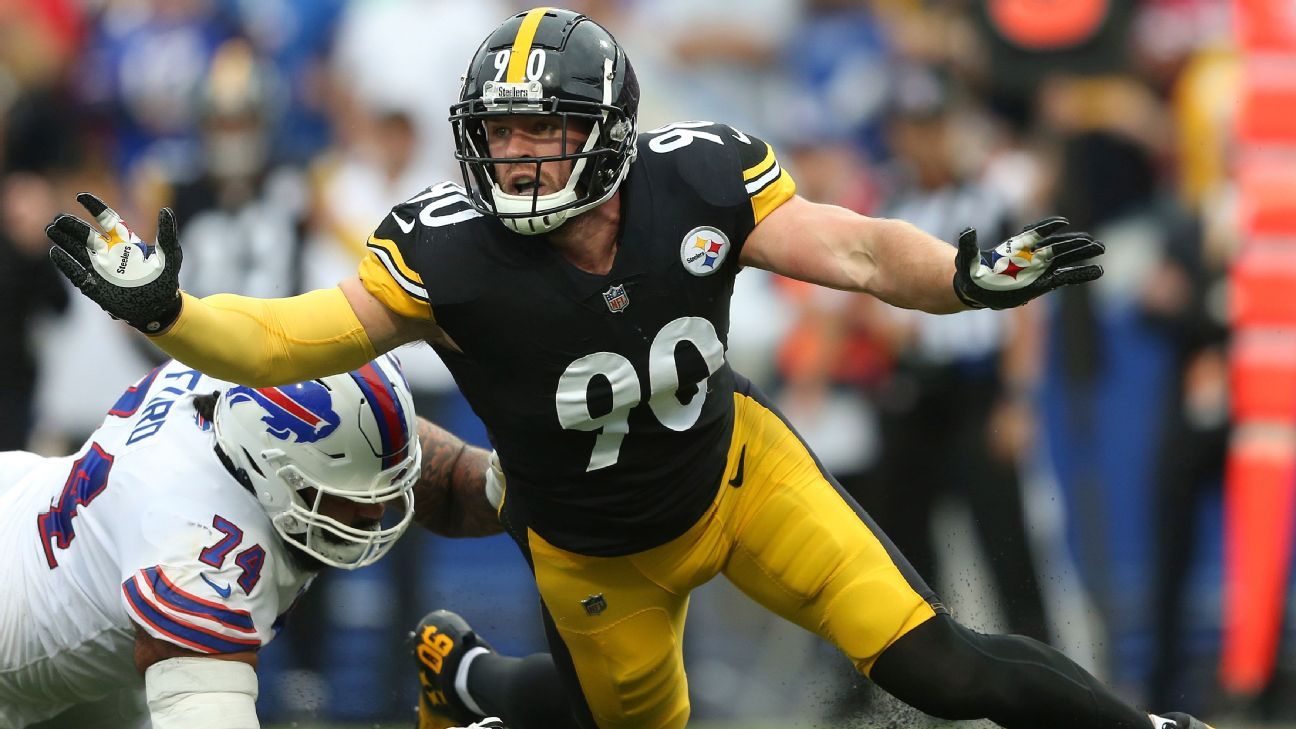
<point x="303" y="412"/>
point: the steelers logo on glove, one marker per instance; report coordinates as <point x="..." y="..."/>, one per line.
<point x="128" y="278"/>
<point x="1035" y="261"/>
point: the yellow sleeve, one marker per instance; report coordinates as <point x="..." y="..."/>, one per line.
<point x="398" y="286"/>
<point x="264" y="342"/>
<point x="768" y="184"/>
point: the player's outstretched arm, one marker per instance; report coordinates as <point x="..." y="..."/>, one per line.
<point x="903" y="266"/>
<point x="256" y="342"/>
<point x="188" y="690"/>
<point x="451" y="496"/>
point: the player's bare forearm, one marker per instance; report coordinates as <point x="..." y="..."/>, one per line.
<point x="835" y="247"/>
<point x="912" y="269"/>
<point x="450" y="495"/>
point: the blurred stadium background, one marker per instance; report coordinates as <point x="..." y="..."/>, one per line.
<point x="1112" y="469"/>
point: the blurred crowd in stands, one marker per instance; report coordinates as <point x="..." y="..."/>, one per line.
<point x="1054" y="471"/>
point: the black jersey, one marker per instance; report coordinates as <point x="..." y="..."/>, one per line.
<point x="608" y="397"/>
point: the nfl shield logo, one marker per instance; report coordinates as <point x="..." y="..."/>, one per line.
<point x="616" y="299"/>
<point x="594" y="604"/>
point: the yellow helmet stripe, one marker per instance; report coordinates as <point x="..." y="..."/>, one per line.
<point x="522" y="45"/>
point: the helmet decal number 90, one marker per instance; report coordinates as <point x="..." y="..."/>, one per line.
<point x="572" y="401"/>
<point x="535" y="65"/>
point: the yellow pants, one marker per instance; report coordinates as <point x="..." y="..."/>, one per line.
<point x="779" y="530"/>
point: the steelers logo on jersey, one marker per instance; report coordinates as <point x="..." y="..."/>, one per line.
<point x="703" y="250"/>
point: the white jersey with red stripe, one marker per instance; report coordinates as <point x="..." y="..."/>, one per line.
<point x="141" y="528"/>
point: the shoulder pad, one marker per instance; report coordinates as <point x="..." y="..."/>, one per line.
<point x="722" y="164"/>
<point x="389" y="270"/>
<point x="438" y="206"/>
<point x="205" y="575"/>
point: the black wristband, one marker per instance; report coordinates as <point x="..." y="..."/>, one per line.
<point x="968" y="301"/>
<point x="165" y="318"/>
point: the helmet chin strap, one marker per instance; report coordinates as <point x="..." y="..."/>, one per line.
<point x="312" y="542"/>
<point x="537" y="225"/>
<point x="290" y="523"/>
<point x="541" y="224"/>
<point x="533" y="224"/>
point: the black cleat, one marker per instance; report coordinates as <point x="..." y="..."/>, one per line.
<point x="1183" y="721"/>
<point x="439" y="643"/>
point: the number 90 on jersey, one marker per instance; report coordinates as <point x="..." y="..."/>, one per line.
<point x="572" y="398"/>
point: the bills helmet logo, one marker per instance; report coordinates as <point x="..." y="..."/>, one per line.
<point x="302" y="412"/>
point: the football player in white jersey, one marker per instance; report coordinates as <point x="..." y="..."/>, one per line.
<point x="168" y="550"/>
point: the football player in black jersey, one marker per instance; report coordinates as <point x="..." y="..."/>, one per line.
<point x="578" y="287"/>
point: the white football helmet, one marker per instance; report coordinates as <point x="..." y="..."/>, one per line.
<point x="351" y="436"/>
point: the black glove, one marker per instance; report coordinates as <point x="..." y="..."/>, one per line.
<point x="1024" y="266"/>
<point x="128" y="278"/>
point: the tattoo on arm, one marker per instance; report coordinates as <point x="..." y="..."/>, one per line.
<point x="450" y="495"/>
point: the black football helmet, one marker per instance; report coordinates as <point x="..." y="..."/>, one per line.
<point x="552" y="62"/>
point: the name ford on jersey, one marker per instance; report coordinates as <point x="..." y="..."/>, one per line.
<point x="153" y="415"/>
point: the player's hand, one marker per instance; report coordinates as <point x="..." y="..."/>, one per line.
<point x="1034" y="261"/>
<point x="128" y="278"/>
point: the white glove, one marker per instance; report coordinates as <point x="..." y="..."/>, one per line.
<point x="1036" y="260"/>
<point x="129" y="279"/>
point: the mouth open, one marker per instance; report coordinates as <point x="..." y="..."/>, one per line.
<point x="525" y="185"/>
